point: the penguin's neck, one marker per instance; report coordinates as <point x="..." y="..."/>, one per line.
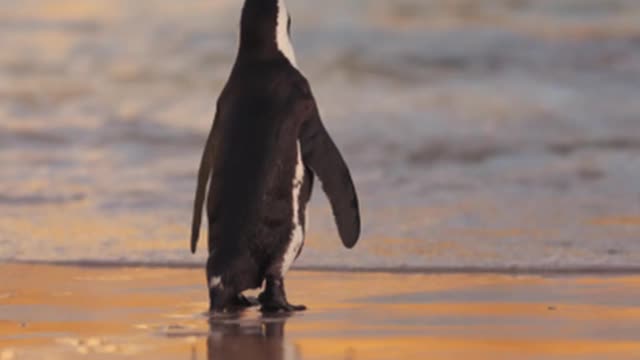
<point x="283" y="41"/>
<point x="265" y="42"/>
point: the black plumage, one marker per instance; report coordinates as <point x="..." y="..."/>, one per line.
<point x="265" y="113"/>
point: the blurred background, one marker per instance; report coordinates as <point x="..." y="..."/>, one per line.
<point x="482" y="134"/>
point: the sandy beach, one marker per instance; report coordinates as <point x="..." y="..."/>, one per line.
<point x="65" y="312"/>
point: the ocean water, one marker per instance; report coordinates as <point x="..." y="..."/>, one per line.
<point x="481" y="134"/>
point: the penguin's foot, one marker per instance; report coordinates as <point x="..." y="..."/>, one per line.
<point x="234" y="304"/>
<point x="273" y="298"/>
<point x="275" y="305"/>
<point x="241" y="301"/>
<point x="273" y="308"/>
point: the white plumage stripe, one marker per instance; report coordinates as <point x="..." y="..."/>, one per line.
<point x="282" y="33"/>
<point x="215" y="282"/>
<point x="297" y="234"/>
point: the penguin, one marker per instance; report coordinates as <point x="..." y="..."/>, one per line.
<point x="265" y="148"/>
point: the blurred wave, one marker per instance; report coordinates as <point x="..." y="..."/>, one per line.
<point x="500" y="134"/>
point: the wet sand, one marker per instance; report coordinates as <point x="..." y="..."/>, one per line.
<point x="57" y="312"/>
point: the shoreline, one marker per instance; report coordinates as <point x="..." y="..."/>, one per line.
<point x="435" y="270"/>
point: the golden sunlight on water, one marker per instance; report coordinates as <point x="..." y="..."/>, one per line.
<point x="66" y="10"/>
<point x="481" y="134"/>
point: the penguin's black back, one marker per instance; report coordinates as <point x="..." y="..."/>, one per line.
<point x="266" y="123"/>
<point x="249" y="202"/>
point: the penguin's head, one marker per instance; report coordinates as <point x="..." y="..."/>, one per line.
<point x="265" y="29"/>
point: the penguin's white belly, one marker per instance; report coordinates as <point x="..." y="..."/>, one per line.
<point x="297" y="233"/>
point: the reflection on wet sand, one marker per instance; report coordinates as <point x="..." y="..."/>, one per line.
<point x="261" y="339"/>
<point x="75" y="313"/>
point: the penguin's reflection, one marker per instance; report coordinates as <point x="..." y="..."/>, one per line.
<point x="260" y="339"/>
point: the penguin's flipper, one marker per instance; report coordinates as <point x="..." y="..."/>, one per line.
<point x="323" y="157"/>
<point x="203" y="178"/>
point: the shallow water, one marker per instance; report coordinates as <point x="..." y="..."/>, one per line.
<point x="481" y="134"/>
